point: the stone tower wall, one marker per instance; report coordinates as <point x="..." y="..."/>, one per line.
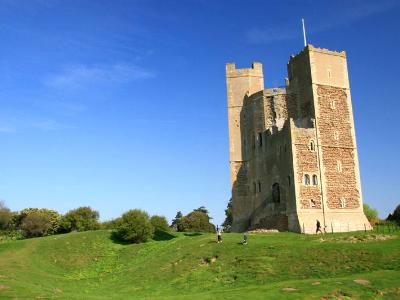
<point x="282" y="136"/>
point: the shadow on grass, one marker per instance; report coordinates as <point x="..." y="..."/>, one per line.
<point x="117" y="240"/>
<point x="160" y="235"/>
<point x="192" y="234"/>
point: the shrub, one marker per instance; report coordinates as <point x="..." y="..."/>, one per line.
<point x="135" y="227"/>
<point x="6" y="217"/>
<point x="174" y="223"/>
<point x="159" y="223"/>
<point x="370" y="213"/>
<point x="395" y="216"/>
<point x="228" y="216"/>
<point x="80" y="219"/>
<point x="111" y="224"/>
<point x="35" y="224"/>
<point x="197" y="221"/>
<point x="38" y="221"/>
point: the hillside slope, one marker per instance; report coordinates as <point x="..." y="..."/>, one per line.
<point x="90" y="265"/>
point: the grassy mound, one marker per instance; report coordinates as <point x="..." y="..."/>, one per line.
<point x="91" y="265"/>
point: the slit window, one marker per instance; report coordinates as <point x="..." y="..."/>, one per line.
<point x="259" y="186"/>
<point x="260" y="139"/>
<point x="342" y="202"/>
<point x="288" y="180"/>
<point x="312" y="203"/>
<point x="254" y="188"/>
<point x="312" y="146"/>
<point x="307" y="179"/>
<point x="339" y="166"/>
<point x="336" y="135"/>
<point x="315" y="180"/>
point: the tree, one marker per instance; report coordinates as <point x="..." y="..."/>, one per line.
<point x="159" y="223"/>
<point x="80" y="219"/>
<point x="135" y="227"/>
<point x="228" y="215"/>
<point x="174" y="223"/>
<point x="370" y="213"/>
<point x="5" y="217"/>
<point x="395" y="216"/>
<point x="196" y="221"/>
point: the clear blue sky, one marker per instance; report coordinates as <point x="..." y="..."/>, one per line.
<point x="122" y="104"/>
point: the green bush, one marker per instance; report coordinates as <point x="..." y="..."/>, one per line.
<point x="370" y="213"/>
<point x="6" y="217"/>
<point x="38" y="221"/>
<point x="395" y="216"/>
<point x="80" y="219"/>
<point x="111" y="224"/>
<point x="175" y="221"/>
<point x="159" y="223"/>
<point x="196" y="221"/>
<point x="134" y="227"/>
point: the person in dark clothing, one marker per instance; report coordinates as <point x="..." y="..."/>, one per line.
<point x="318" y="227"/>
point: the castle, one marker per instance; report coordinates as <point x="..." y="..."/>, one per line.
<point x="293" y="153"/>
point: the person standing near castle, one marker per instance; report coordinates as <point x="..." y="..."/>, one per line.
<point x="245" y="237"/>
<point x="318" y="227"/>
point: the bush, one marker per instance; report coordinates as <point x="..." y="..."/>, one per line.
<point x="111" y="224"/>
<point x="174" y="223"/>
<point x="35" y="224"/>
<point x="135" y="227"/>
<point x="6" y="217"/>
<point x="38" y="221"/>
<point x="228" y="216"/>
<point x="159" y="223"/>
<point x="370" y="213"/>
<point x="80" y="219"/>
<point x="395" y="216"/>
<point x="197" y="221"/>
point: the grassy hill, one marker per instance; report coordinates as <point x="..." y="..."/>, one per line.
<point x="90" y="265"/>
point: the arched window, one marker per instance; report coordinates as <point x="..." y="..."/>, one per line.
<point x="312" y="203"/>
<point x="306" y="179"/>
<point x="333" y="104"/>
<point x="314" y="180"/>
<point x="259" y="186"/>
<point x="312" y="146"/>
<point x="276" y="193"/>
<point x="342" y="202"/>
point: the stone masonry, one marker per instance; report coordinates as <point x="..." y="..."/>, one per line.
<point x="293" y="153"/>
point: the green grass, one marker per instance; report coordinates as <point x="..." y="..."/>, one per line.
<point x="90" y="265"/>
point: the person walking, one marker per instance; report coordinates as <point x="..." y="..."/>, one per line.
<point x="318" y="227"/>
<point x="245" y="237"/>
<point x="219" y="236"/>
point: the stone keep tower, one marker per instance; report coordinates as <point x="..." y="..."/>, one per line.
<point x="293" y="154"/>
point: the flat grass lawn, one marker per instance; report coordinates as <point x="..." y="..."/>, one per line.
<point x="90" y="265"/>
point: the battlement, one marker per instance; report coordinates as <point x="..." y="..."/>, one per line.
<point x="311" y="48"/>
<point x="255" y="70"/>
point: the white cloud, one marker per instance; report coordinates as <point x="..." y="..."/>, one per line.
<point x="83" y="75"/>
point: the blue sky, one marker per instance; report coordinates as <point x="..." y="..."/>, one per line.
<point x="122" y="104"/>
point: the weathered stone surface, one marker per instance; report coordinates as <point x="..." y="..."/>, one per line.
<point x="280" y="136"/>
